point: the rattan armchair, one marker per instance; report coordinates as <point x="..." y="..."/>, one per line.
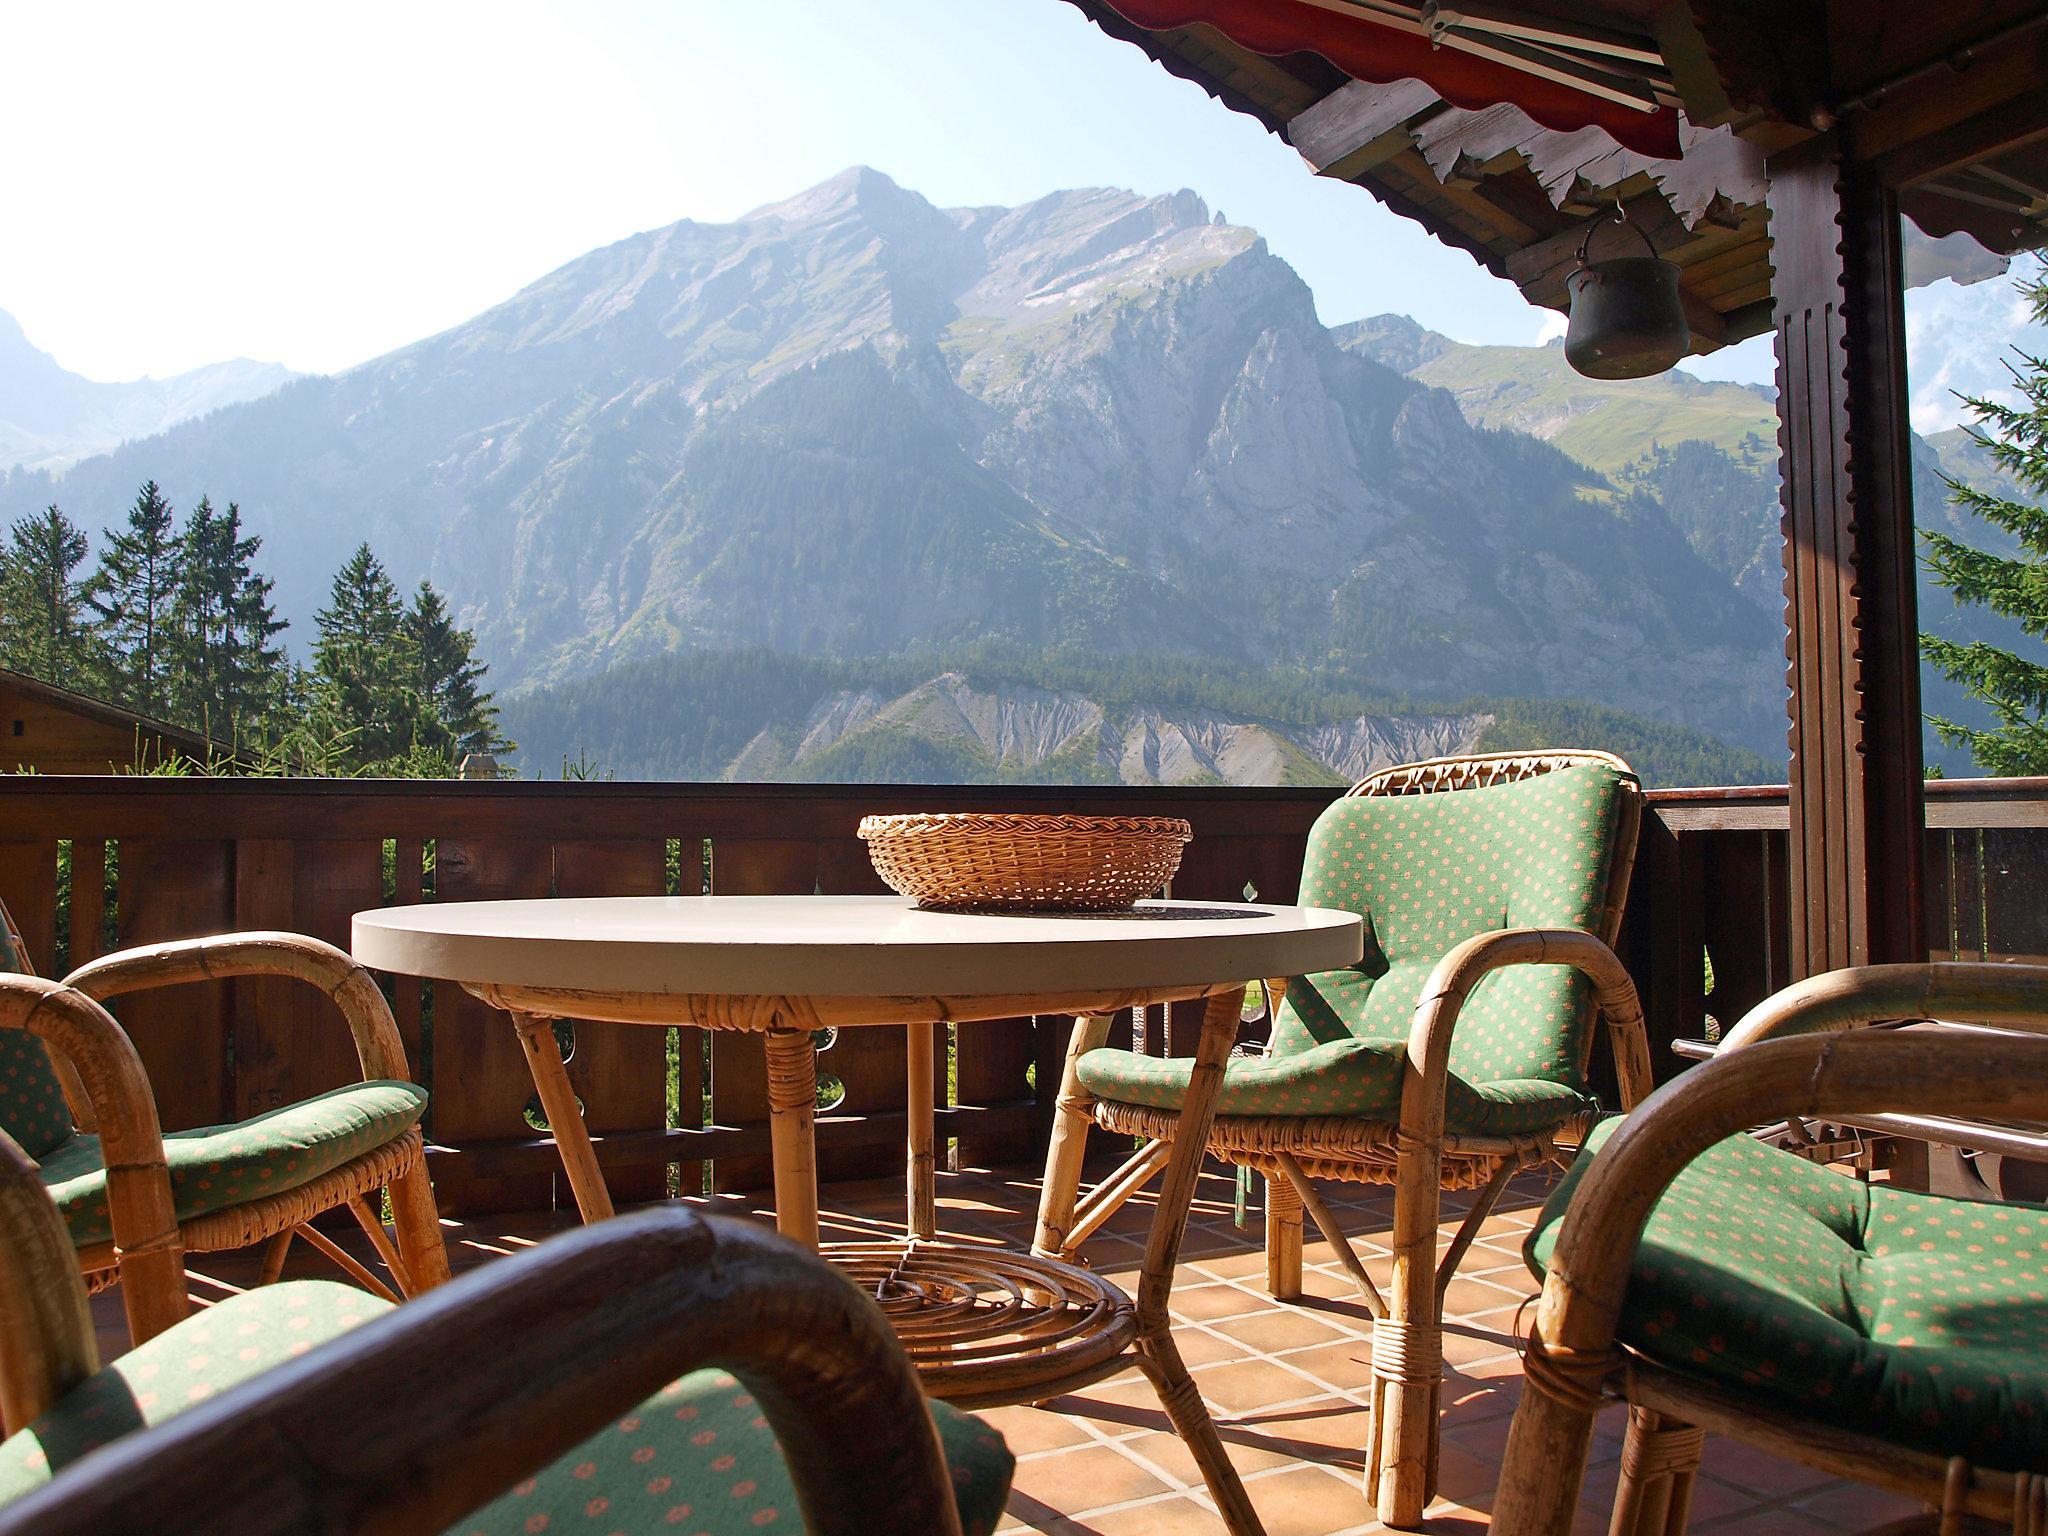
<point x="540" y="1392"/>
<point x="261" y="1180"/>
<point x="1720" y="1285"/>
<point x="1360" y="1082"/>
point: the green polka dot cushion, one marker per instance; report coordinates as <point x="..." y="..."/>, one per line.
<point x="1916" y="1318"/>
<point x="1360" y="1079"/>
<point x="698" y="1457"/>
<point x="221" y="1165"/>
<point x="1428" y="872"/>
<point x="32" y="1107"/>
<point x="204" y="1355"/>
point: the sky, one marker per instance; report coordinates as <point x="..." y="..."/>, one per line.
<point x="316" y="184"/>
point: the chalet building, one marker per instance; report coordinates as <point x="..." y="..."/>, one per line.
<point x="47" y="729"/>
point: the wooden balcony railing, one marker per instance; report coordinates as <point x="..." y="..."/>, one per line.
<point x="88" y="863"/>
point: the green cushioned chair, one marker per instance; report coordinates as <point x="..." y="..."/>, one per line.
<point x="1721" y="1283"/>
<point x="1491" y="887"/>
<point x="260" y="1180"/>
<point x="515" y="1401"/>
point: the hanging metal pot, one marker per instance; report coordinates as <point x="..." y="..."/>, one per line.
<point x="1627" y="321"/>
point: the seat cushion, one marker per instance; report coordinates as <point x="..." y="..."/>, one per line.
<point x="1916" y="1318"/>
<point x="696" y="1457"/>
<point x="32" y="1107"/>
<point x="221" y="1165"/>
<point x="699" y="1458"/>
<point x="201" y="1357"/>
<point x="1359" y="1079"/>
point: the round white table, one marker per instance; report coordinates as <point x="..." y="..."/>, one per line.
<point x="983" y="1325"/>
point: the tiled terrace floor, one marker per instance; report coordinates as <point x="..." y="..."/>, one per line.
<point x="1287" y="1383"/>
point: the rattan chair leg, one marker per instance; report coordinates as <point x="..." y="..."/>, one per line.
<point x="1659" y="1460"/>
<point x="1160" y="1360"/>
<point x="1326" y="1223"/>
<point x="418" y="1223"/>
<point x="373" y="1229"/>
<point x="1468" y="1229"/>
<point x="346" y="1262"/>
<point x="565" y="1116"/>
<point x="1283" y="1238"/>
<point x="1407" y="1352"/>
<point x="1069" y="1148"/>
<point x="921" y="1168"/>
<point x="274" y="1254"/>
<point x="1108" y="1197"/>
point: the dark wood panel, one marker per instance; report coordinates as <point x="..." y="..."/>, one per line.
<point x="619" y="1071"/>
<point x="481" y="1084"/>
<point x="179" y="890"/>
<point x="28" y="889"/>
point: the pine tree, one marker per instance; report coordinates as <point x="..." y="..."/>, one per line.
<point x="45" y="627"/>
<point x="459" y="714"/>
<point x="131" y="592"/>
<point x="363" y="663"/>
<point x="226" y="662"/>
<point x="2015" y="687"/>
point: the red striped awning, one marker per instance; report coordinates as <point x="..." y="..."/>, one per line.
<point x="1382" y="51"/>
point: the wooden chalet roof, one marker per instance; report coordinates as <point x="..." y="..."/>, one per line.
<point x="1749" y="77"/>
<point x="100" y="712"/>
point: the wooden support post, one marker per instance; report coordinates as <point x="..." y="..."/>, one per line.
<point x="1853" y="644"/>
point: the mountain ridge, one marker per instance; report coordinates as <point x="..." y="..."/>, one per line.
<point x="51" y="417"/>
<point x="852" y="423"/>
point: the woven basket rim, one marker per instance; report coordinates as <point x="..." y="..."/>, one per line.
<point x="1022" y="824"/>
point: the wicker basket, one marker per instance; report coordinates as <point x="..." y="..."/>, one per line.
<point x="1088" y="863"/>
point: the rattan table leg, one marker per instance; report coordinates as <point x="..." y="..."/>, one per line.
<point x="1063" y="1159"/>
<point x="565" y="1116"/>
<point x="793" y="1131"/>
<point x="1156" y="1349"/>
<point x="921" y="1168"/>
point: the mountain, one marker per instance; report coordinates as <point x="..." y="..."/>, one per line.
<point x="756" y="715"/>
<point x="49" y="417"/>
<point x="854" y="424"/>
<point x="1705" y="453"/>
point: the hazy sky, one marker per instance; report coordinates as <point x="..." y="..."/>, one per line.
<point x="316" y="184"/>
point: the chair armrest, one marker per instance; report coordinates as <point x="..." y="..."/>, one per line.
<point x="145" y="1223"/>
<point x="1452" y="982"/>
<point x="314" y="961"/>
<point x="1832" y="1076"/>
<point x="415" y="1419"/>
<point x="1871" y="994"/>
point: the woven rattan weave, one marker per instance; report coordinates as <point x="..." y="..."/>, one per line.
<point x="975" y="859"/>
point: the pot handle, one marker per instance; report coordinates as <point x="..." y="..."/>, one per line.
<point x="1620" y="217"/>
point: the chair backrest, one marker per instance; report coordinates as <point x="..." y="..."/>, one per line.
<point x="33" y="1110"/>
<point x="47" y="1345"/>
<point x="1433" y="853"/>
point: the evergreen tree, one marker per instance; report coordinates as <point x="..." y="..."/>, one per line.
<point x="226" y="662"/>
<point x="2016" y="687"/>
<point x="131" y="593"/>
<point x="459" y="715"/>
<point x="363" y="663"/>
<point x="45" y="627"/>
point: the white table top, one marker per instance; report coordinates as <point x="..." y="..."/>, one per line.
<point x="844" y="946"/>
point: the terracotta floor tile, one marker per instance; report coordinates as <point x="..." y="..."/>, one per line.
<point x="1168" y="1517"/>
<point x="1272" y="1332"/>
<point x="1094" y="1472"/>
<point x="1209" y="1302"/>
<point x="1245" y="1385"/>
<point x="1343" y="1364"/>
<point x="1309" y="1501"/>
<point x="1027" y="1430"/>
<point x="1248" y="1453"/>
